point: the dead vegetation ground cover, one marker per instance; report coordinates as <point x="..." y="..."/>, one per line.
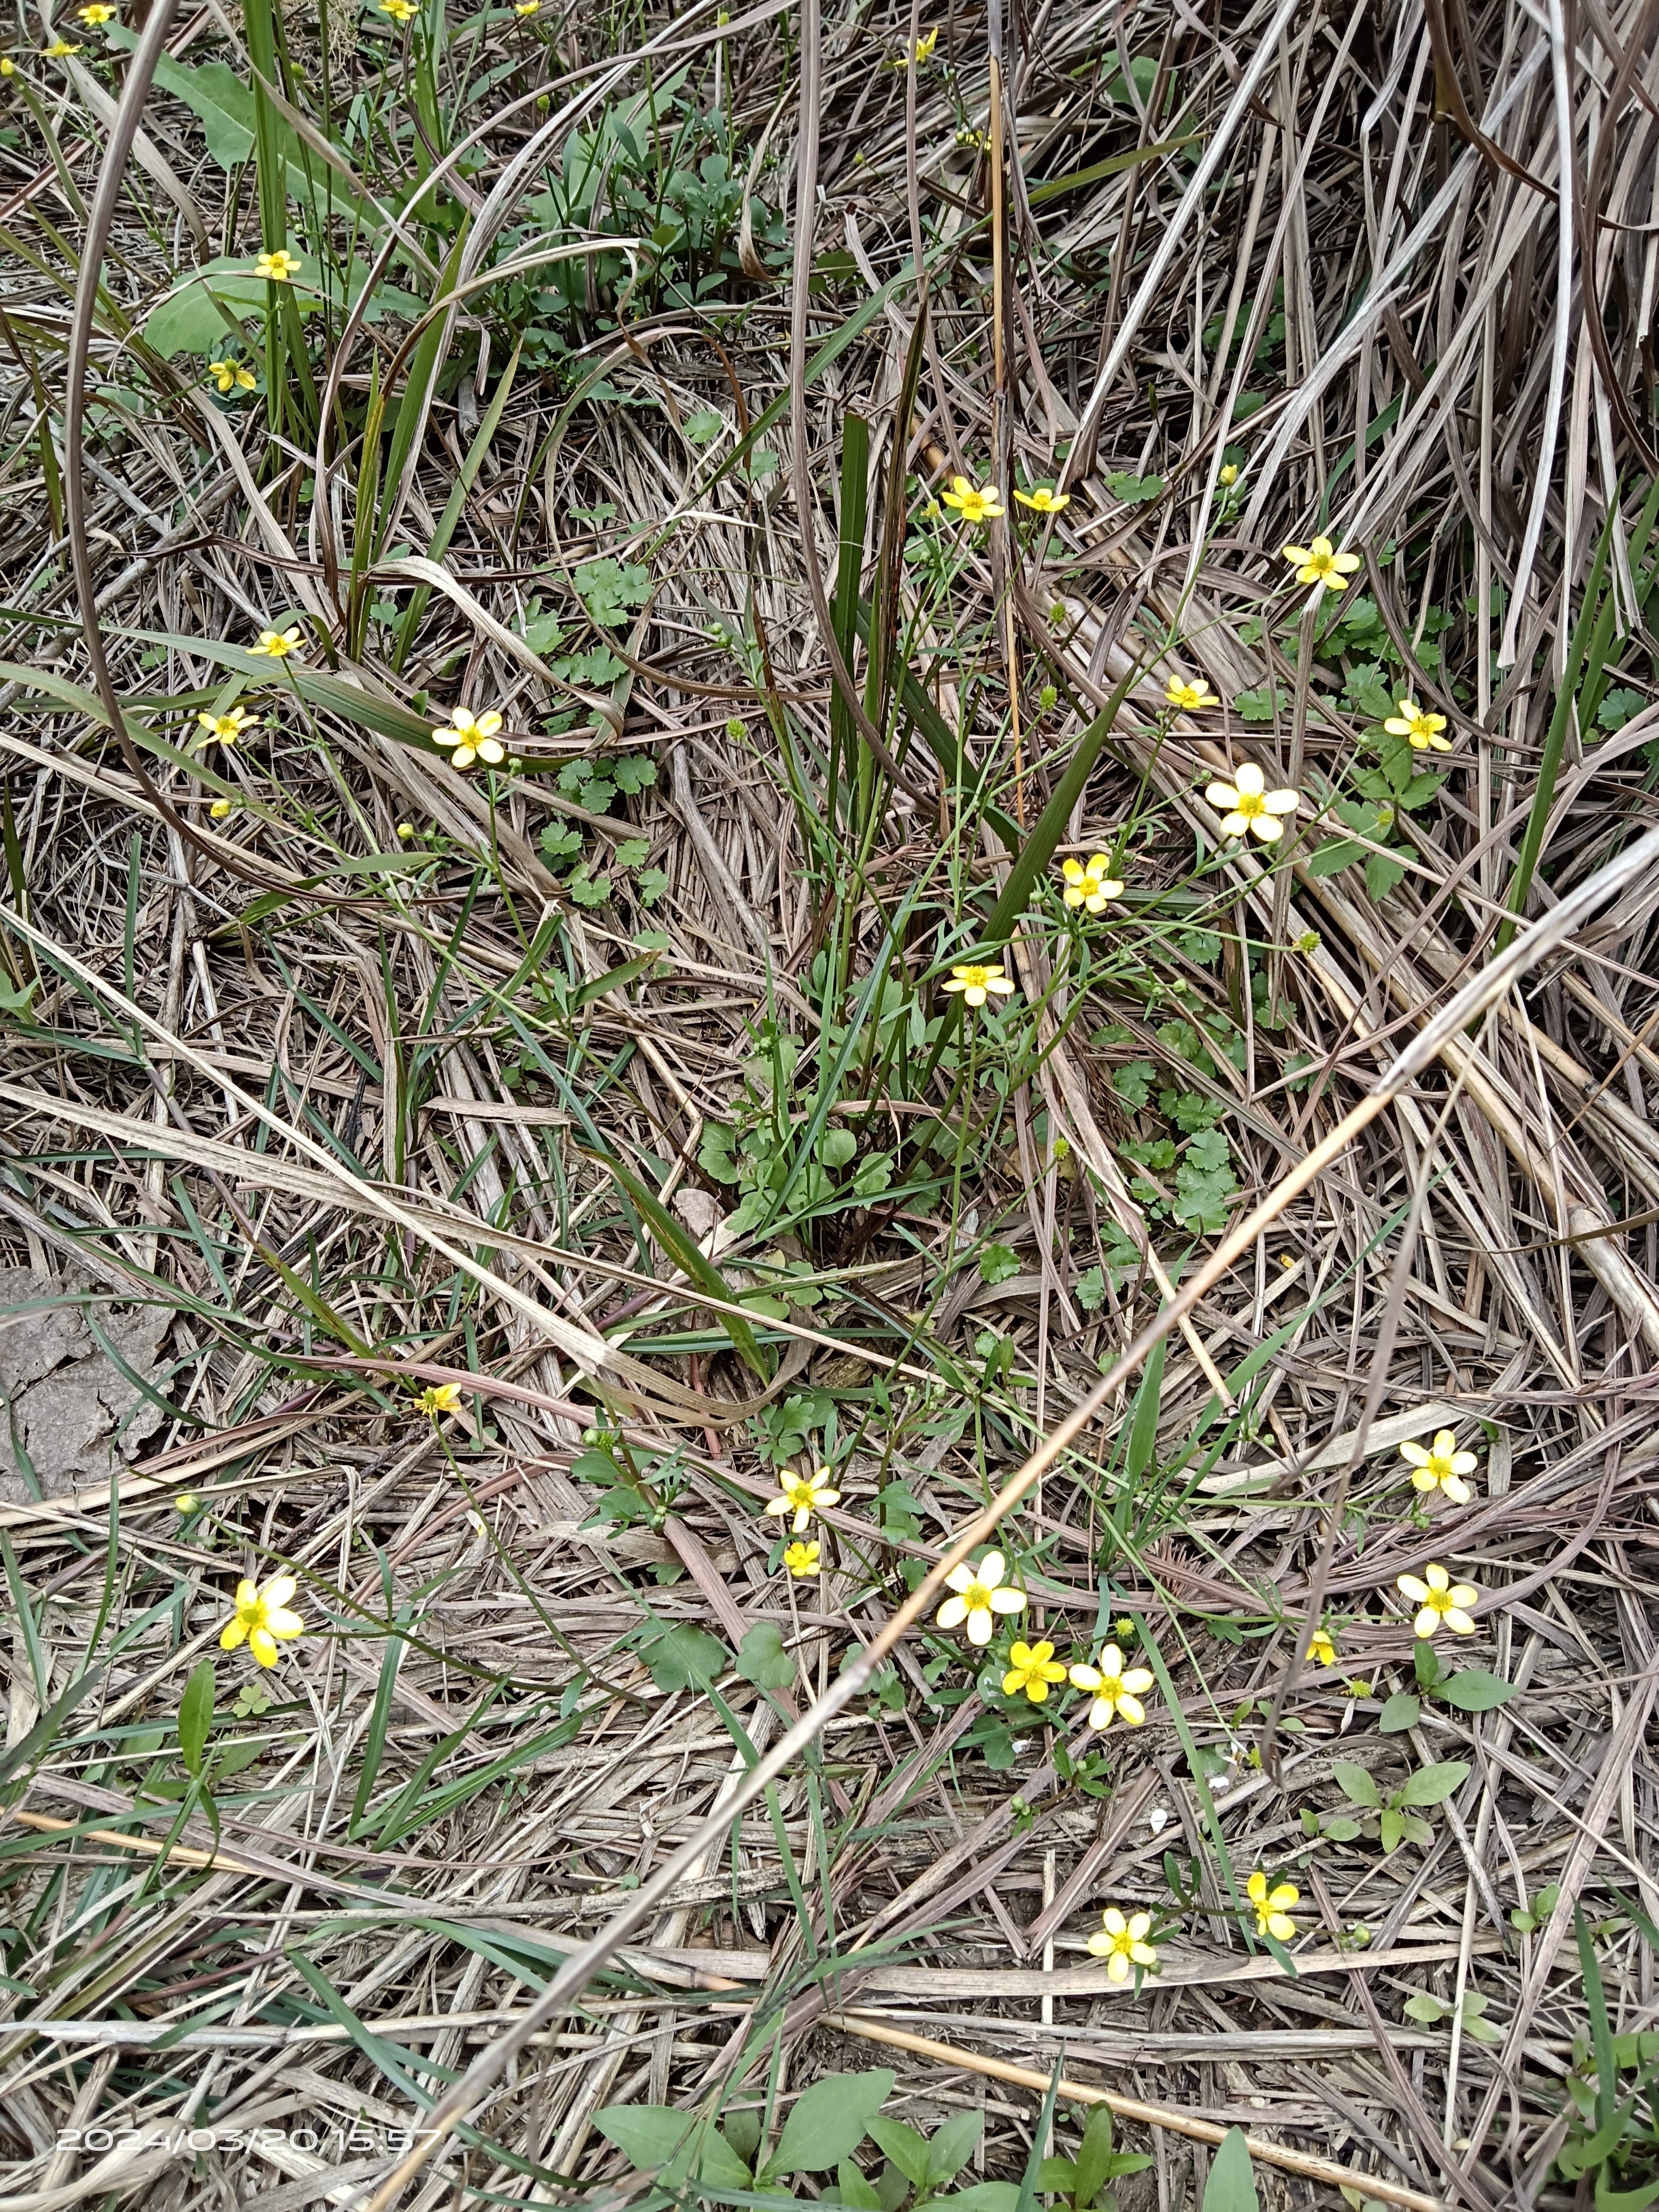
<point x="607" y="1086"/>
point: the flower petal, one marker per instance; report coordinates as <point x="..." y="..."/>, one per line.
<point x="979" y="1624"/>
<point x="283" y="1623"/>
<point x="262" y="1645"/>
<point x="1457" y="1489"/>
<point x="991" y="1570"/>
<point x="1409" y="1586"/>
<point x="1131" y="1708"/>
<point x="279" y="1590"/>
<point x="1465" y="1594"/>
<point x="1083" y="1678"/>
<point x="959" y="1578"/>
<point x="1138" y="1679"/>
<point x="1267" y="827"/>
<point x="1437" y="1577"/>
<point x="1459" y="1622"/>
<point x="1235" y="825"/>
<point x="233" y="1636"/>
<point x="1250" y="780"/>
<point x="952" y="1613"/>
<point x="1294" y="552"/>
<point x="1223" y="795"/>
<point x="1281" y="802"/>
<point x="1427" y="1621"/>
<point x="1415" y="1453"/>
<point x="1007" y="1601"/>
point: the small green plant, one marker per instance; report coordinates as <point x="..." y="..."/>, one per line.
<point x="1611" y="2139"/>
<point x="1083" y="2182"/>
<point x="1430" y="2010"/>
<point x="1394" y="1820"/>
<point x="1531" y="1916"/>
<point x="1468" y="1689"/>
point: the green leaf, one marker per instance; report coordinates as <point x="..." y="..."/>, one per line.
<point x="837" y="1147"/>
<point x="763" y="1660"/>
<point x="704" y="426"/>
<point x="1425" y="1664"/>
<point x="1134" y="1082"/>
<point x="1232" y="2185"/>
<point x="1473" y="1691"/>
<point x="1382" y="875"/>
<point x="1392" y="1827"/>
<point x="1094" y="2157"/>
<point x="1342" y="1830"/>
<point x="1399" y="1713"/>
<point x="650" y="2134"/>
<point x="1057" y="2177"/>
<point x="997" y="1263"/>
<point x="828" y="2122"/>
<point x="905" y="2145"/>
<point x="721" y="2165"/>
<point x="1332" y="855"/>
<point x="1356" y="1784"/>
<point x="983" y="2196"/>
<point x="951" y="2147"/>
<point x="853" y="2189"/>
<point x="196" y="1714"/>
<point x="684" y="1658"/>
<point x="1427" y="2009"/>
<point x="1432" y="1785"/>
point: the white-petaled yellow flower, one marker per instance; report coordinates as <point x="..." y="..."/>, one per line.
<point x="977" y="983"/>
<point x="1321" y="563"/>
<point x="1190" y="698"/>
<point x="1439" y="1598"/>
<point x="1034" y="1668"/>
<point x="803" y="1559"/>
<point x="261" y="1616"/>
<point x="1246" y="805"/>
<point x="281" y="267"/>
<point x="1421" y="729"/>
<point x="276" y="644"/>
<point x="472" y="736"/>
<point x="1320" y="1650"/>
<point x="1088" y="886"/>
<point x="1441" y="1468"/>
<point x="971" y="505"/>
<point x="1122" y="1943"/>
<point x="1116" y="1692"/>
<point x="803" y="1495"/>
<point x="1272" y="1916"/>
<point x="979" y="1594"/>
<point x="225" y="729"/>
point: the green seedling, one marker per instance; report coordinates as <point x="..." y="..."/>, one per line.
<point x="1395" y="1820"/>
<point x="1083" y="2182"/>
<point x="1430" y="2010"/>
<point x="1468" y="1689"/>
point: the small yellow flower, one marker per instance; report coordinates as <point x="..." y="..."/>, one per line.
<point x="57" y="49"/>
<point x="276" y="644"/>
<point x="1320" y="1650"/>
<point x="979" y="1596"/>
<point x="186" y="1501"/>
<point x="438" y="1398"/>
<point x="925" y="46"/>
<point x="1122" y="1943"/>
<point x="1191" y="698"/>
<point x="1439" y="1598"/>
<point x="1321" y="563"/>
<point x="1034" y="1668"/>
<point x="405" y="831"/>
<point x="526" y="7"/>
<point x="1043" y="500"/>
<point x="400" y="10"/>
<point x="1421" y="731"/>
<point x="231" y="376"/>
<point x="803" y="1495"/>
<point x="1089" y="886"/>
<point x="470" y="737"/>
<point x="1230" y="474"/>
<point x="281" y="267"/>
<point x="98" y="13"/>
<point x="802" y="1560"/>
<point x="8" y="67"/>
<point x="1273" y="1906"/>
<point x="976" y="983"/>
<point x="261" y="1617"/>
<point x="225" y="729"/>
<point x="221" y="808"/>
<point x="1442" y="1468"/>
<point x="973" y="506"/>
<point x="1248" y="804"/>
<point x="1115" y="1692"/>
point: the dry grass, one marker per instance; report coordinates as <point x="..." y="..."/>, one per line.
<point x="387" y="1077"/>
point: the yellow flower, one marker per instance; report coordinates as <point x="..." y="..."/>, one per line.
<point x="1320" y="1650"/>
<point x="1190" y="697"/>
<point x="802" y="1560"/>
<point x="186" y="1501"/>
<point x="973" y="506"/>
<point x="1115" y="1690"/>
<point x="405" y="831"/>
<point x="1122" y="1943"/>
<point x="803" y="1495"/>
<point x="276" y="644"/>
<point x="1248" y="804"/>
<point x="1230" y="474"/>
<point x="261" y="1616"/>
<point x="470" y="737"/>
<point x="975" y="983"/>
<point x="1421" y="731"/>
<point x="281" y="267"/>
<point x="1089" y="886"/>
<point x="1439" y="1598"/>
<point x="526" y="7"/>
<point x="400" y="10"/>
<point x="225" y="729"/>
<point x="979" y="1597"/>
<point x="1272" y="1906"/>
<point x="438" y="1398"/>
<point x="221" y="808"/>
<point x="1442" y="1468"/>
<point x="8" y="67"/>
<point x="1321" y="563"/>
<point x="231" y="375"/>
<point x="98" y="13"/>
<point x="57" y="49"/>
<point x="1032" y="1668"/>
<point x="1043" y="500"/>
<point x="925" y="46"/>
